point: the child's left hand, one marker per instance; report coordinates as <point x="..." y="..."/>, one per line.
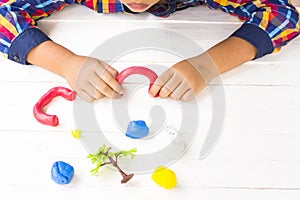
<point x="183" y="81"/>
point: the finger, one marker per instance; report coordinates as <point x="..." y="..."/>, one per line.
<point x="160" y="82"/>
<point x="94" y="81"/>
<point x="112" y="71"/>
<point x="172" y="96"/>
<point x="92" y="90"/>
<point x="101" y="88"/>
<point x="110" y="81"/>
<point x="188" y="96"/>
<point x="100" y="96"/>
<point x="179" y="91"/>
<point x="109" y="68"/>
<point x="107" y="90"/>
<point x="97" y="94"/>
<point x="170" y="86"/>
<point x="85" y="96"/>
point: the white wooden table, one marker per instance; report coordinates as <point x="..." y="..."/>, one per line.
<point x="257" y="156"/>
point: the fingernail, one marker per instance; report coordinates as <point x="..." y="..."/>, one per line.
<point x="154" y="96"/>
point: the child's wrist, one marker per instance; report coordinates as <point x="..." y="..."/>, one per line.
<point x="205" y="66"/>
<point x="71" y="64"/>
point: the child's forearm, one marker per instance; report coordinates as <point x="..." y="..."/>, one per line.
<point x="89" y="77"/>
<point x="231" y="53"/>
<point x="222" y="57"/>
<point x="189" y="77"/>
<point x="52" y="57"/>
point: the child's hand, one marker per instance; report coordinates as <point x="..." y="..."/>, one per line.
<point x="92" y="79"/>
<point x="182" y="82"/>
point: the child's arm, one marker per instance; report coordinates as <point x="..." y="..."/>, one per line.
<point x="269" y="26"/>
<point x="23" y="42"/>
<point x="19" y="33"/>
<point x="194" y="73"/>
<point x="89" y="77"/>
<point x="18" y="19"/>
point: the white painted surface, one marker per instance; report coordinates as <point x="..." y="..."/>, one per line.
<point x="257" y="156"/>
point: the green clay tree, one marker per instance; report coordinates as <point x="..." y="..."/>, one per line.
<point x="105" y="157"/>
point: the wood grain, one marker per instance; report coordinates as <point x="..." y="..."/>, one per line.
<point x="257" y="156"/>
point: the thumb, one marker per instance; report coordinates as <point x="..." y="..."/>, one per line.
<point x="160" y="82"/>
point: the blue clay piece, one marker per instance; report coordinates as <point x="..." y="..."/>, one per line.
<point x="62" y="173"/>
<point x="137" y="129"/>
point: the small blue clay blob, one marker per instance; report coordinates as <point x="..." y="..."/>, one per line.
<point x="62" y="173"/>
<point x="137" y="129"/>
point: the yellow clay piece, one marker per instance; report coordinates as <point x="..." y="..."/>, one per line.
<point x="76" y="133"/>
<point x="164" y="177"/>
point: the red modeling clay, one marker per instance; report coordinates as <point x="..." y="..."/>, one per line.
<point x="137" y="70"/>
<point x="40" y="115"/>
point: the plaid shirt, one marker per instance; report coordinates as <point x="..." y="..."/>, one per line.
<point x="268" y="24"/>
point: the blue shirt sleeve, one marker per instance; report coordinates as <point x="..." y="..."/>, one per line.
<point x="257" y="37"/>
<point x="24" y="42"/>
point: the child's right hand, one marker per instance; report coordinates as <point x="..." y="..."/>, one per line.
<point x="92" y="79"/>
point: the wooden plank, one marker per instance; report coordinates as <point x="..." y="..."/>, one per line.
<point x="251" y="73"/>
<point x="255" y="158"/>
<point x="238" y="116"/>
<point x="205" y="35"/>
<point x="281" y="97"/>
<point x="130" y="192"/>
<point x="190" y="174"/>
<point x="242" y="107"/>
<point x="257" y="137"/>
<point x="242" y="145"/>
<point x="266" y="122"/>
<point x="40" y="144"/>
<point x="14" y="72"/>
<point x="199" y="32"/>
